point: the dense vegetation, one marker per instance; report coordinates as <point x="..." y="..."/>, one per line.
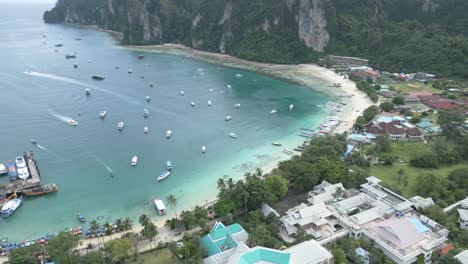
<point x="396" y="35"/>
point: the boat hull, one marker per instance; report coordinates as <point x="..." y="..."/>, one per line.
<point x="37" y="193"/>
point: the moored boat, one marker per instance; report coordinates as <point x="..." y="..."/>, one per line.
<point x="203" y="149"/>
<point x="227" y="118"/>
<point x="87" y="91"/>
<point x="145" y="113"/>
<point x="163" y="175"/>
<point x="120" y="125"/>
<point x="232" y="135"/>
<point x="277" y="144"/>
<point x="22" y="169"/>
<point x="3" y="169"/>
<point x="146" y="130"/>
<point x="151" y="84"/>
<point x="193" y="104"/>
<point x="237" y="105"/>
<point x="40" y="190"/>
<point x="168" y="134"/>
<point x="148" y="99"/>
<point x="181" y="93"/>
<point x="134" y="160"/>
<point x="140" y="57"/>
<point x="34" y="142"/>
<point x="168" y="165"/>
<point x="12" y="170"/>
<point x="10" y="207"/>
<point x="75" y="65"/>
<point x="70" y="56"/>
<point x="291" y="106"/>
<point x="102" y="114"/>
<point x="209" y="102"/>
<point x="98" y="77"/>
<point x="287" y="151"/>
<point x="273" y="112"/>
<point x="130" y="71"/>
<point x="81" y="218"/>
<point x="160" y="207"/>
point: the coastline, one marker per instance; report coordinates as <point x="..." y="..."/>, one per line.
<point x="309" y="75"/>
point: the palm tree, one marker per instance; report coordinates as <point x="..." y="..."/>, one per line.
<point x="144" y="220"/>
<point x="109" y="227"/>
<point x="94" y="226"/>
<point x="258" y="172"/>
<point x="172" y="202"/>
<point x="119" y="225"/>
<point x="127" y="223"/>
<point x="230" y="183"/>
<point x="221" y="184"/>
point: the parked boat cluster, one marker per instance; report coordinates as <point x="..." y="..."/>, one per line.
<point x="16" y="169"/>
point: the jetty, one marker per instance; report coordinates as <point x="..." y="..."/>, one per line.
<point x="34" y="181"/>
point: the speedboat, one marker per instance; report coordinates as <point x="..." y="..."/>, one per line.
<point x="10" y="207"/>
<point x="146" y="130"/>
<point x="151" y="84"/>
<point x="3" y="169"/>
<point x="88" y="91"/>
<point x="34" y="142"/>
<point x="145" y="113"/>
<point x="102" y="114"/>
<point x="291" y="106"/>
<point x="120" y="126"/>
<point x="12" y="170"/>
<point x="81" y="218"/>
<point x="134" y="160"/>
<point x="140" y="57"/>
<point x="160" y="207"/>
<point x="209" y="103"/>
<point x="22" y="169"/>
<point x="228" y="86"/>
<point x="148" y="99"/>
<point x="72" y="122"/>
<point x="98" y="77"/>
<point x="203" y="149"/>
<point x="168" y="165"/>
<point x="75" y="65"/>
<point x="227" y="118"/>
<point x="273" y="112"/>
<point x="237" y="106"/>
<point x="164" y="175"/>
<point x="287" y="151"/>
<point x="181" y="93"/>
<point x="70" y="56"/>
<point x="211" y="90"/>
<point x="130" y="71"/>
<point x="192" y="104"/>
<point x="168" y="134"/>
<point x="277" y="144"/>
<point x="232" y="135"/>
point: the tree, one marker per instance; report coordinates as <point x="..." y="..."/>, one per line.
<point x="370" y="112"/>
<point x="94" y="257"/>
<point x="228" y="218"/>
<point x="382" y="144"/>
<point x="144" y="219"/>
<point x="187" y="219"/>
<point x="119" y="225"/>
<point x="127" y="223"/>
<point x="261" y="236"/>
<point x="278" y="185"/>
<point x="118" y="249"/>
<point x="172" y="202"/>
<point x="415" y="119"/>
<point x="149" y="231"/>
<point x="387" y="106"/>
<point x="360" y="123"/>
<point x="61" y="247"/>
<point x="27" y="255"/>
<point x="172" y="246"/>
<point x="339" y="256"/>
<point x="450" y="123"/>
<point x="398" y="100"/>
<point x="401" y="175"/>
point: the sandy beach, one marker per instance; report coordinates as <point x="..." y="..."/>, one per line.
<point x="308" y="75"/>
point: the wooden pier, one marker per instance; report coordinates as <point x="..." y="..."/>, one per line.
<point x="18" y="186"/>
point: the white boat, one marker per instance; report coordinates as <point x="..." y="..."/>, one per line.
<point x="3" y="169"/>
<point x="237" y="106"/>
<point x="120" y="125"/>
<point x="10" y="207"/>
<point x="151" y="84"/>
<point x="163" y="175"/>
<point x="72" y="122"/>
<point x="102" y="114"/>
<point x="160" y="207"/>
<point x="148" y="99"/>
<point x="291" y="106"/>
<point x="203" y="149"/>
<point x="22" y="169"/>
<point x="227" y="118"/>
<point x="168" y="165"/>
<point x="273" y="112"/>
<point x="168" y="134"/>
<point x="228" y="86"/>
<point x="145" y="113"/>
<point x="276" y="144"/>
<point x="192" y="104"/>
<point x="134" y="160"/>
<point x="211" y="90"/>
<point x="146" y="130"/>
<point x="232" y="135"/>
<point x="88" y="91"/>
<point x="209" y="102"/>
<point x="181" y="93"/>
<point x="287" y="151"/>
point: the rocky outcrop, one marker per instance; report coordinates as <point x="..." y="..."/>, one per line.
<point x="227" y="12"/>
<point x="312" y="25"/>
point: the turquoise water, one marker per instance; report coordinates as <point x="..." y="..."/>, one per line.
<point x="35" y="104"/>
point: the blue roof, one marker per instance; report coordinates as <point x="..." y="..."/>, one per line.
<point x="220" y="238"/>
<point x="420" y="227"/>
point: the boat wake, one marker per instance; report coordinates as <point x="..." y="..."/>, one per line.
<point x="123" y="97"/>
<point x="62" y="118"/>
<point x="109" y="170"/>
<point x="43" y="148"/>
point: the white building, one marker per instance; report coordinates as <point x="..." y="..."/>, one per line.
<point x="463" y="218"/>
<point x="462" y="257"/>
<point x="374" y="213"/>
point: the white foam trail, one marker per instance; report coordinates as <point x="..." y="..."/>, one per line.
<point x="60" y="117"/>
<point x="42" y="147"/>
<point x="104" y="165"/>
<point x="125" y="98"/>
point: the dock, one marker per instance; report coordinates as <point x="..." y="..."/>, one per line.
<point x="18" y="186"/>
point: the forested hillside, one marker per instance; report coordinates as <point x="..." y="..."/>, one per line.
<point x="396" y="35"/>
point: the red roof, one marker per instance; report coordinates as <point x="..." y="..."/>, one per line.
<point x="370" y="72"/>
<point x="445" y="249"/>
<point x="430" y="97"/>
<point x="442" y="105"/>
<point x="363" y="75"/>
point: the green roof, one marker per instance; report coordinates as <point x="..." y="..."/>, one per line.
<point x="265" y="255"/>
<point x="220" y="238"/>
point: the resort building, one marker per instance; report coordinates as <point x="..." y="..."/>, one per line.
<point x="227" y="245"/>
<point x="348" y="62"/>
<point x="374" y="213"/>
<point x="462" y="257"/>
<point x="463" y="218"/>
